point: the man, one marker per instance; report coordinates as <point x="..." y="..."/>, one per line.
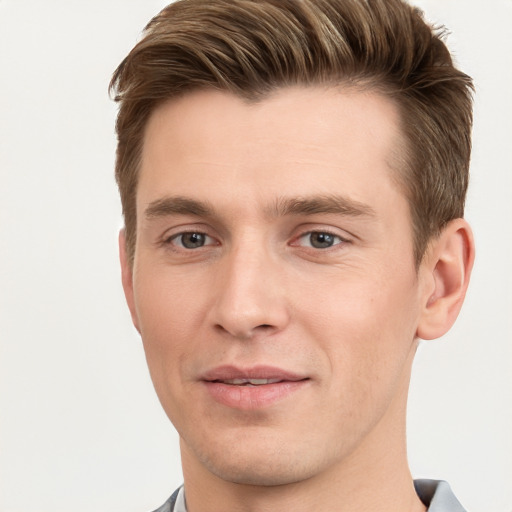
<point x="292" y="175"/>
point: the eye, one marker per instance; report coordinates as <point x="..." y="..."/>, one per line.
<point x="319" y="240"/>
<point x="191" y="240"/>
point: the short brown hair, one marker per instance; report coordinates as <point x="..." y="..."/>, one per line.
<point x="252" y="47"/>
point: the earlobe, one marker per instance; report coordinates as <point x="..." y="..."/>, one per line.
<point x="127" y="278"/>
<point x="446" y="271"/>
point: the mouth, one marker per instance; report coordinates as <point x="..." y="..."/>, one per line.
<point x="252" y="388"/>
<point x="248" y="382"/>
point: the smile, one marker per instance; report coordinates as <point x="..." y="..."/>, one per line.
<point x="249" y="382"/>
<point x="251" y="388"/>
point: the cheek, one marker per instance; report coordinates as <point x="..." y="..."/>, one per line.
<point x="365" y="326"/>
<point x="369" y="350"/>
<point x="167" y="305"/>
<point x="166" y="319"/>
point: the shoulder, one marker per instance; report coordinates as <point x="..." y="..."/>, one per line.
<point x="437" y="496"/>
<point x="168" y="506"/>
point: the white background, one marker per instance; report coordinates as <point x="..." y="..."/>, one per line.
<point x="81" y="428"/>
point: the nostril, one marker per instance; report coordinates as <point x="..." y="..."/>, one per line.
<point x="264" y="328"/>
<point x="246" y="334"/>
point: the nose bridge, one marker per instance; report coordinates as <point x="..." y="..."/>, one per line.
<point x="250" y="297"/>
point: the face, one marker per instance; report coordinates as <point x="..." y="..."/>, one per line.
<point x="274" y="283"/>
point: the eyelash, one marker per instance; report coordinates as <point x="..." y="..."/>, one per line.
<point x="169" y="240"/>
<point x="338" y="240"/>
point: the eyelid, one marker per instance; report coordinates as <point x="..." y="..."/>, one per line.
<point x="338" y="239"/>
<point x="343" y="236"/>
<point x="180" y="235"/>
<point x="209" y="240"/>
<point x="171" y="234"/>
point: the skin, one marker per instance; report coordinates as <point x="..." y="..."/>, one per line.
<point x="227" y="271"/>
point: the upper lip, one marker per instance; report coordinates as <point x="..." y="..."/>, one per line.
<point x="229" y="372"/>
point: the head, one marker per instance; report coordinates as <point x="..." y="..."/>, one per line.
<point x="292" y="176"/>
<point x="253" y="48"/>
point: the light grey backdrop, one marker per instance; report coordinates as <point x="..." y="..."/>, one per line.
<point x="81" y="428"/>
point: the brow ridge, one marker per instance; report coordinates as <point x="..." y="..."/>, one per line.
<point x="177" y="205"/>
<point x="322" y="204"/>
<point x="282" y="207"/>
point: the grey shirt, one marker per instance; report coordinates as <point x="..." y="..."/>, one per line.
<point x="435" y="494"/>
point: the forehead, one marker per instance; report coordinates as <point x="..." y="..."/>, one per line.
<point x="296" y="141"/>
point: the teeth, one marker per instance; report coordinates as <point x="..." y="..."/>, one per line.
<point x="257" y="382"/>
<point x="253" y="382"/>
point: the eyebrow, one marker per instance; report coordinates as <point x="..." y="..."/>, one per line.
<point x="334" y="204"/>
<point x="318" y="204"/>
<point x="177" y="205"/>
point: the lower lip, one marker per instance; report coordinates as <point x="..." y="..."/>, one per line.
<point x="252" y="397"/>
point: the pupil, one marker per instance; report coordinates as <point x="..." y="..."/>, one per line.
<point x="193" y="240"/>
<point x="321" y="240"/>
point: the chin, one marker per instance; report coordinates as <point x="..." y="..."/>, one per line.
<point x="266" y="475"/>
<point x="270" y="465"/>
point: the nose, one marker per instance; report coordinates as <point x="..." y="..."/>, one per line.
<point x="250" y="300"/>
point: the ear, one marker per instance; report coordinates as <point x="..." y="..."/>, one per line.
<point x="445" y="270"/>
<point x="127" y="278"/>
